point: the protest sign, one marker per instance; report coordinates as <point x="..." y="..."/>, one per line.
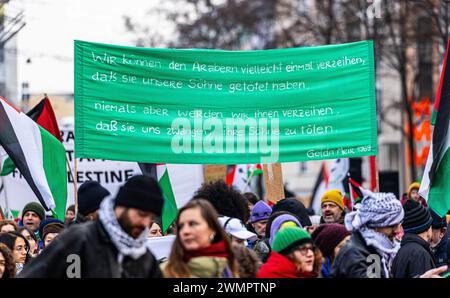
<point x="161" y="246"/>
<point x="110" y="174"/>
<point x="224" y="107"/>
<point x="273" y="182"/>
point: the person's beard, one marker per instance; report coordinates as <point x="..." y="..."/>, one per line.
<point x="133" y="230"/>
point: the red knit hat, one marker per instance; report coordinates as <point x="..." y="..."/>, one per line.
<point x="328" y="236"/>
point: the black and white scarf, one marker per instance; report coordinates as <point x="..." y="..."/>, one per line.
<point x="125" y="244"/>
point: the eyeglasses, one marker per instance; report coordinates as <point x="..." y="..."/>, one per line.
<point x="305" y="248"/>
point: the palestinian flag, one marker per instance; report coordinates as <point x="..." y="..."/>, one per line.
<point x="39" y="156"/>
<point x="254" y="170"/>
<point x="160" y="173"/>
<point x="240" y="176"/>
<point x="6" y="164"/>
<point x="44" y="115"/>
<point x="435" y="186"/>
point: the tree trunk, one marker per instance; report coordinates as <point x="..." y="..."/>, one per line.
<point x="410" y="136"/>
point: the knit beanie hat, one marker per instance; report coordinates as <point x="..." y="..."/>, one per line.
<point x="438" y="222"/>
<point x="45" y="223"/>
<point x="328" y="236"/>
<point x="36" y="208"/>
<point x="141" y="192"/>
<point x="90" y="195"/>
<point x="286" y="240"/>
<point x="377" y="210"/>
<point x="295" y="207"/>
<point x="333" y="196"/>
<point x="71" y="208"/>
<point x="417" y="218"/>
<point x="260" y="211"/>
<point x="278" y="221"/>
<point x="54" y="227"/>
<point x="414" y="185"/>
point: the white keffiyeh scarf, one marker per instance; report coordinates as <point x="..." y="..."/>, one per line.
<point x="125" y="244"/>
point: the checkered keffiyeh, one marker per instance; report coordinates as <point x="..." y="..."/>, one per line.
<point x="125" y="244"/>
<point x="377" y="210"/>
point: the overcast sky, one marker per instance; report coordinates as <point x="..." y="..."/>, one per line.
<point x="51" y="27"/>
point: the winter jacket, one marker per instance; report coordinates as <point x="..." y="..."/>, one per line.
<point x="98" y="256"/>
<point x="262" y="249"/>
<point x="206" y="267"/>
<point x="414" y="257"/>
<point x="278" y="266"/>
<point x="440" y="252"/>
<point x="353" y="259"/>
<point x="326" y="267"/>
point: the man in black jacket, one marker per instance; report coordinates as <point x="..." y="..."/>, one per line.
<point x="90" y="196"/>
<point x="414" y="257"/>
<point x="372" y="247"/>
<point x="114" y="245"/>
<point x="439" y="239"/>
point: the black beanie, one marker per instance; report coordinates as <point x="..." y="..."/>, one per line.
<point x="438" y="222"/>
<point x="295" y="207"/>
<point x="417" y="218"/>
<point x="143" y="193"/>
<point x="90" y="195"/>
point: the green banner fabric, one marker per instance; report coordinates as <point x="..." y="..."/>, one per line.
<point x="224" y="107"/>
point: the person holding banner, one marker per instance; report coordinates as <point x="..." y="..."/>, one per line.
<point x="114" y="245"/>
<point x="201" y="248"/>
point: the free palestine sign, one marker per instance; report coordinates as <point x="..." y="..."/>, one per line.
<point x="224" y="107"/>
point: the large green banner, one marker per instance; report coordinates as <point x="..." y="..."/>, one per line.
<point x="224" y="107"/>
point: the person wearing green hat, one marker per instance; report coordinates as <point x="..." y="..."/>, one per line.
<point x="293" y="256"/>
<point x="32" y="215"/>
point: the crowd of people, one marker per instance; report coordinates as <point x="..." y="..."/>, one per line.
<point x="225" y="234"/>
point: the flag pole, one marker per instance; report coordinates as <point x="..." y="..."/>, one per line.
<point x="375" y="169"/>
<point x="8" y="211"/>
<point x="75" y="186"/>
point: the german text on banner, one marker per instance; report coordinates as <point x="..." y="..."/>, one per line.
<point x="224" y="107"/>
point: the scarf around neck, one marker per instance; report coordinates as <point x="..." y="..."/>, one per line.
<point x="125" y="244"/>
<point x="214" y="250"/>
<point x="386" y="248"/>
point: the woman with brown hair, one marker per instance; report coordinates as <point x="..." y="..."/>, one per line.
<point x="7" y="266"/>
<point x="7" y="225"/>
<point x="201" y="248"/>
<point x="293" y="255"/>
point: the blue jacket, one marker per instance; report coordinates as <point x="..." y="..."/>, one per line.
<point x="326" y="267"/>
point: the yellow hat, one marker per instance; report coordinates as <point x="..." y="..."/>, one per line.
<point x="333" y="196"/>
<point x="414" y="185"/>
<point x="289" y="223"/>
